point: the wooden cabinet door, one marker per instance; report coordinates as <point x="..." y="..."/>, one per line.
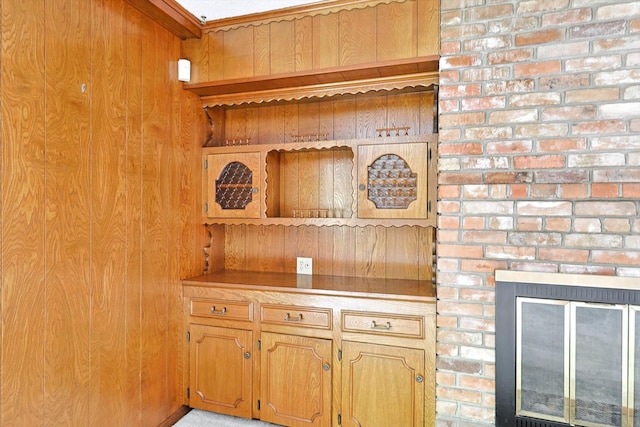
<point x="233" y="185"/>
<point x="221" y="370"/>
<point x="382" y="386"/>
<point x="392" y="181"/>
<point x="296" y="377"/>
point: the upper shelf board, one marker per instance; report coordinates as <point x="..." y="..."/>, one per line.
<point x="387" y="75"/>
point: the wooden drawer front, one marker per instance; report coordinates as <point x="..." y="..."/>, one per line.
<point x="222" y="309"/>
<point x="383" y="324"/>
<point x="296" y="316"/>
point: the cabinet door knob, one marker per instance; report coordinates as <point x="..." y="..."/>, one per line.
<point x="419" y="379"/>
<point x="247" y="355"/>
<point x="221" y="312"/>
<point x="254" y="190"/>
<point x="326" y="367"/>
<point x="362" y="187"/>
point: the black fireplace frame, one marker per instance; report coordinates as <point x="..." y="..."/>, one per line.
<point x="506" y="294"/>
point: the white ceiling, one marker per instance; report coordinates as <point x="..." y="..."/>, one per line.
<point x="219" y="9"/>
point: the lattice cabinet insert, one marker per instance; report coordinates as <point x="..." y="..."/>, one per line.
<point x="348" y="182"/>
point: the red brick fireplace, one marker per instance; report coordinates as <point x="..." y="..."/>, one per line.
<point x="539" y="166"/>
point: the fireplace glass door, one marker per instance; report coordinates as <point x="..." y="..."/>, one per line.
<point x="573" y="362"/>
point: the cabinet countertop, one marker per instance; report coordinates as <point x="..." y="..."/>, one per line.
<point x="400" y="289"/>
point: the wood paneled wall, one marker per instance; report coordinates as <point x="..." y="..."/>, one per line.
<point x="344" y="117"/>
<point x="98" y="218"/>
<point x="385" y="32"/>
<point x="394" y="252"/>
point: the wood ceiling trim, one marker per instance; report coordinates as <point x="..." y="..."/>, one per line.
<point x="170" y="15"/>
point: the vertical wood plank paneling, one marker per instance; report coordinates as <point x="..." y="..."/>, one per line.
<point x="344" y="117"/>
<point x="428" y="27"/>
<point x="197" y="51"/>
<point x="108" y="206"/>
<point x="269" y="248"/>
<point x="402" y="260"/>
<point x="237" y="55"/>
<point x="357" y="36"/>
<point x="155" y="226"/>
<point x="326" y="187"/>
<point x="325" y="111"/>
<point x="270" y="124"/>
<point x="326" y="46"/>
<point x="308" y="164"/>
<point x="291" y="249"/>
<point x="404" y="110"/>
<point x="371" y="115"/>
<point x="134" y="248"/>
<point x="371" y="262"/>
<point x="426" y="255"/>
<point x="105" y="229"/>
<point x="172" y="188"/>
<point x="235" y="250"/>
<point x="307" y="243"/>
<point x="262" y="56"/>
<point x="427" y="112"/>
<point x="67" y="204"/>
<point x="283" y="48"/>
<point x="252" y="128"/>
<point x="215" y="62"/>
<point x="344" y="251"/>
<point x="290" y="189"/>
<point x="303" y="44"/>
<point x="396" y="31"/>
<point x="343" y="196"/>
<point x="324" y="261"/>
<point x="236" y="123"/>
<point x="23" y="213"/>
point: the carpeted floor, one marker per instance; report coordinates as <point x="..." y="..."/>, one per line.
<point x="198" y="418"/>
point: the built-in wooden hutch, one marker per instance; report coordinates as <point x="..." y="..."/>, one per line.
<point x="335" y="163"/>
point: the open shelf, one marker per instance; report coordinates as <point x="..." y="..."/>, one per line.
<point x="326" y="183"/>
<point x="386" y="75"/>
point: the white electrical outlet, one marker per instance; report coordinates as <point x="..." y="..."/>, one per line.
<point x="304" y="265"/>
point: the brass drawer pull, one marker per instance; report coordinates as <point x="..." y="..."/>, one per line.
<point x="221" y="312"/>
<point x="288" y="318"/>
<point x="386" y="326"/>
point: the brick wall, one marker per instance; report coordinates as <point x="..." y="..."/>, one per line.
<point x="539" y="165"/>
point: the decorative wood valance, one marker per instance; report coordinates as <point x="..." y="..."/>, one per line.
<point x="389" y="75"/>
<point x="320" y="8"/>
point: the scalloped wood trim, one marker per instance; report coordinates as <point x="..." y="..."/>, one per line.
<point x="353" y="87"/>
<point x="353" y="144"/>
<point x="291" y="13"/>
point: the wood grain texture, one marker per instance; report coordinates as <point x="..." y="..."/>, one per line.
<point x="303" y="49"/>
<point x="326" y="48"/>
<point x="396" y="25"/>
<point x="282" y="47"/>
<point x="68" y="208"/>
<point x="94" y="200"/>
<point x="133" y="170"/>
<point x="338" y="118"/>
<point x="237" y="54"/>
<point x="23" y="213"/>
<point x="397" y="30"/>
<point x="358" y="36"/>
<point x="108" y="206"/>
<point x="376" y="252"/>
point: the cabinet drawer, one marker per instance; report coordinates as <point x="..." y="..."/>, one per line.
<point x="383" y="324"/>
<point x="296" y="316"/>
<point x="222" y="309"/>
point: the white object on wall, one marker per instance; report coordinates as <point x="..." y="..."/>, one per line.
<point x="184" y="70"/>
